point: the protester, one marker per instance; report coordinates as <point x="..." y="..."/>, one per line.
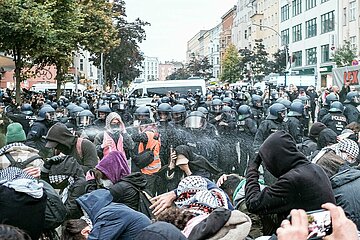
<point x="299" y="184"/>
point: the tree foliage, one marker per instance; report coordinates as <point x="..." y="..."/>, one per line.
<point x="181" y="73"/>
<point x="24" y="26"/>
<point x="231" y="65"/>
<point x="344" y="55"/>
<point x="199" y="67"/>
<point x="278" y="64"/>
<point x="122" y="61"/>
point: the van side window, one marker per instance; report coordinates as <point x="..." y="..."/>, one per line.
<point x="137" y="93"/>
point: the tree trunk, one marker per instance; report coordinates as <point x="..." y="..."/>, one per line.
<point x="18" y="68"/>
<point x="59" y="79"/>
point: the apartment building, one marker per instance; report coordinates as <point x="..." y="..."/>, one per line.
<point x="227" y="22"/>
<point x="149" y="69"/>
<point x="349" y="20"/>
<point x="168" y="68"/>
<point x="311" y="29"/>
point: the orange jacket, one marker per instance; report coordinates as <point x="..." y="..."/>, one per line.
<point x="152" y="143"/>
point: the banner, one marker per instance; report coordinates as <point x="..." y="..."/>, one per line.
<point x="346" y="74"/>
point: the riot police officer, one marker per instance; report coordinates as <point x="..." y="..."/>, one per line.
<point x="351" y="111"/>
<point x="294" y="121"/>
<point x="335" y="119"/>
<point x="257" y="108"/>
<point x="325" y="109"/>
<point x="273" y="122"/>
<point x="102" y="113"/>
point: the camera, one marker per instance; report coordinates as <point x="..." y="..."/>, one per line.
<point x="319" y="224"/>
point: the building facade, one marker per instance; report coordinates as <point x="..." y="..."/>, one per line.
<point x="227" y="22"/>
<point x="311" y="30"/>
<point x="168" y="68"/>
<point x="150" y="69"/>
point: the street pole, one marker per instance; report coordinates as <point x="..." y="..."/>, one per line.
<point x="286" y="48"/>
<point x="101" y="70"/>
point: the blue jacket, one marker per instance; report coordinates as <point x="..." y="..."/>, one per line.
<point x="346" y="187"/>
<point x="110" y="220"/>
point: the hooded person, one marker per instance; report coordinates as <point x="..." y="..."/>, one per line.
<point x="300" y="184"/>
<point x="114" y="138"/>
<point x="60" y="138"/>
<point x="191" y="163"/>
<point x="111" y="220"/>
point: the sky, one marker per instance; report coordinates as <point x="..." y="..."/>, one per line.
<point x="174" y="23"/>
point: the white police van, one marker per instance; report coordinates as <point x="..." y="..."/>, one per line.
<point x="145" y="91"/>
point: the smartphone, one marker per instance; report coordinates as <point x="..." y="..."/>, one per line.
<point x="319" y="224"/>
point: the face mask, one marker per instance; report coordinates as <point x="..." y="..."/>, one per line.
<point x="114" y="126"/>
<point x="62" y="148"/>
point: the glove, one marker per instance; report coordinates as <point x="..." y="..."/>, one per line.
<point x="256" y="162"/>
<point x="53" y="160"/>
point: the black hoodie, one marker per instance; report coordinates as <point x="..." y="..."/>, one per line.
<point x="86" y="155"/>
<point x="126" y="190"/>
<point x="300" y="184"/>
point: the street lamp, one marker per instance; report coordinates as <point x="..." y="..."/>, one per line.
<point x="286" y="47"/>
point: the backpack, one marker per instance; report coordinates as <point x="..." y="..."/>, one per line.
<point x="144" y="202"/>
<point x="22" y="165"/>
<point x="55" y="211"/>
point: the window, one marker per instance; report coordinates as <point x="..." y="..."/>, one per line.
<point x="245" y="34"/>
<point x="311" y="56"/>
<point x="322" y="1"/>
<point x="311" y="28"/>
<point x="325" y="54"/>
<point x="296" y="7"/>
<point x="285" y="12"/>
<point x="344" y="17"/>
<point x="327" y="22"/>
<point x="297" y="58"/>
<point x="285" y="37"/>
<point x="81" y="64"/>
<point x="353" y="44"/>
<point x="296" y="33"/>
<point x="352" y="10"/>
<point x="310" y="4"/>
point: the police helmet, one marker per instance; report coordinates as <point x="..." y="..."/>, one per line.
<point x="84" y="118"/>
<point x="164" y="111"/>
<point x="195" y="120"/>
<point x="286" y="103"/>
<point x="75" y="110"/>
<point x="336" y="107"/>
<point x="46" y="112"/>
<point x="216" y="106"/>
<point x="104" y="108"/>
<point x="184" y="102"/>
<point x="330" y="99"/>
<point x="244" y="111"/>
<point x="27" y="109"/>
<point x="165" y="100"/>
<point x="256" y="100"/>
<point x="296" y="109"/>
<point x="178" y="113"/>
<point x="142" y="113"/>
<point x="352" y="97"/>
<point x="84" y="105"/>
<point x="274" y="111"/>
<point x="203" y="110"/>
<point x="228" y="101"/>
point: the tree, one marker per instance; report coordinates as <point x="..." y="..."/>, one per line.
<point x="231" y="65"/>
<point x="278" y="65"/>
<point x="24" y="26"/>
<point x="122" y="61"/>
<point x="179" y="74"/>
<point x="260" y="65"/>
<point x="344" y="55"/>
<point x="66" y="18"/>
<point x="199" y="67"/>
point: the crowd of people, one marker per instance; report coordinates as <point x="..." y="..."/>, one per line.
<point x="226" y="164"/>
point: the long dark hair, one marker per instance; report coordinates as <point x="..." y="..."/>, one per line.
<point x="176" y="216"/>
